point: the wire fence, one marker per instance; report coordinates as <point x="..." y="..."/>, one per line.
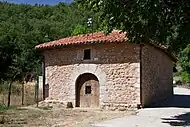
<point x="21" y="94"/>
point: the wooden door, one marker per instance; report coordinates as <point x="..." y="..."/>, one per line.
<point x="88" y="91"/>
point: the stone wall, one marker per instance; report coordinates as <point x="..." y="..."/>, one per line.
<point x="117" y="67"/>
<point x="157" y="79"/>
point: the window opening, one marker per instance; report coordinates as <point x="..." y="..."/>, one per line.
<point x="87" y="54"/>
<point x="87" y="89"/>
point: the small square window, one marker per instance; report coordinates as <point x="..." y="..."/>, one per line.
<point x="87" y="89"/>
<point x="87" y="54"/>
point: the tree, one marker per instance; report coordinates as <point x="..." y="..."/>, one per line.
<point x="159" y="21"/>
<point x="79" y="29"/>
<point x="184" y="59"/>
<point x="24" y="26"/>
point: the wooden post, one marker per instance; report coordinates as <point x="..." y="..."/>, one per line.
<point x="37" y="91"/>
<point x="23" y="93"/>
<point x="43" y="74"/>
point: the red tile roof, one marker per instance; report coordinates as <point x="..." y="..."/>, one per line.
<point x="98" y="37"/>
<point x="115" y="36"/>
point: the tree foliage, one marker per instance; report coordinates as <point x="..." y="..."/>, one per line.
<point x="184" y="58"/>
<point x="159" y="21"/>
<point x="24" y="26"/>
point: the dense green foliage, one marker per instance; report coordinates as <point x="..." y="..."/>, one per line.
<point x="24" y="26"/>
<point x="184" y="58"/>
<point x="160" y="21"/>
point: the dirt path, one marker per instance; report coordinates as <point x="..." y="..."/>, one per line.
<point x="176" y="112"/>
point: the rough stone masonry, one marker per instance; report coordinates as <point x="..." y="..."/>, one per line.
<point x="128" y="75"/>
<point x="117" y="67"/>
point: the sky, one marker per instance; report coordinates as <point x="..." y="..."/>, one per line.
<point x="49" y="2"/>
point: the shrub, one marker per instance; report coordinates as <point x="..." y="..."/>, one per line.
<point x="184" y="60"/>
<point x="185" y="77"/>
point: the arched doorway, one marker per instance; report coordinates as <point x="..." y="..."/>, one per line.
<point x="87" y="91"/>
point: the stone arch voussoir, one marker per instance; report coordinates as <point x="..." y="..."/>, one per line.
<point x="93" y="69"/>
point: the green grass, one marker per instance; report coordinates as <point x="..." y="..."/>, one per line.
<point x="4" y="108"/>
<point x="46" y="107"/>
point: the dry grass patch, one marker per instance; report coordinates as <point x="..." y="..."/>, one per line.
<point x="41" y="117"/>
<point x="16" y="94"/>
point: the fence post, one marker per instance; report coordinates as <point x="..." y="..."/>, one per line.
<point x="22" y="93"/>
<point x="43" y="74"/>
<point x="37" y="91"/>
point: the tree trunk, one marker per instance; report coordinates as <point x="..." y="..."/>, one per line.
<point x="10" y="88"/>
<point x="9" y="94"/>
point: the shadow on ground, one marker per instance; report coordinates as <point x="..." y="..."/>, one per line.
<point x="177" y="100"/>
<point x="179" y="120"/>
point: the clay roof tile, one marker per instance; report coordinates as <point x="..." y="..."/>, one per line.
<point x="115" y="36"/>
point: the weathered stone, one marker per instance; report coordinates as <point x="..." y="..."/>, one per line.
<point x="157" y="79"/>
<point x="122" y="109"/>
<point x="69" y="105"/>
<point x="117" y="68"/>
